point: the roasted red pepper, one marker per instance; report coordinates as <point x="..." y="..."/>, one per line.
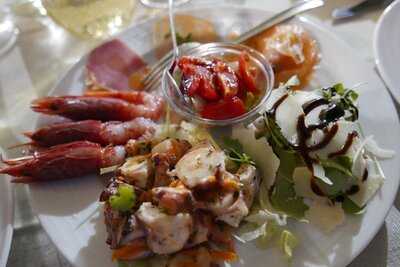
<point x="246" y="74"/>
<point x="224" y="109"/>
<point x="223" y="90"/>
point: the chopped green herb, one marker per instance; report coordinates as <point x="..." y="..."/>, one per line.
<point x="181" y="39"/>
<point x="125" y="198"/>
<point x="235" y="152"/>
<point x="343" y="98"/>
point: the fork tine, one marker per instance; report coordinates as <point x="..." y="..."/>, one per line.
<point x="154" y="83"/>
<point x="158" y="67"/>
<point x="155" y="73"/>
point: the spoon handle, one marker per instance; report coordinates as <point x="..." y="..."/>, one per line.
<point x="172" y="27"/>
<point x="297" y="8"/>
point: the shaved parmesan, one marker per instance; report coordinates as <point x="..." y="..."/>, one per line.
<point x="367" y="190"/>
<point x="319" y="173"/>
<point x="324" y="216"/>
<point x="289" y="108"/>
<point x="263" y="216"/>
<point x="257" y="149"/>
<point x="372" y="147"/>
<point x="252" y="235"/>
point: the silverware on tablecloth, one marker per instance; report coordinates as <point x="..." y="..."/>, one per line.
<point x="361" y="7"/>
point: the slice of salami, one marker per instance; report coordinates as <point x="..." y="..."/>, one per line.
<point x="111" y="64"/>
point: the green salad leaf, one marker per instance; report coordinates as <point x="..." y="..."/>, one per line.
<point x="350" y="207"/>
<point x="344" y="99"/>
<point x="284" y="198"/>
<point x="340" y="181"/>
<point x="125" y="198"/>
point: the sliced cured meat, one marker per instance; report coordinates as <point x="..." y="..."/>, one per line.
<point x="111" y="64"/>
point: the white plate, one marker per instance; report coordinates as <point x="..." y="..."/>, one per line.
<point x="71" y="215"/>
<point x="6" y="218"/>
<point x="387" y="47"/>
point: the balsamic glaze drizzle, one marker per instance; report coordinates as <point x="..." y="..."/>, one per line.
<point x="347" y="145"/>
<point x="304" y="133"/>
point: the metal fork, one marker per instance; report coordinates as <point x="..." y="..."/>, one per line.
<point x="153" y="78"/>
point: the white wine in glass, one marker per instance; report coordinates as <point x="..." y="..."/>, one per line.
<point x="161" y="3"/>
<point x="91" y="18"/>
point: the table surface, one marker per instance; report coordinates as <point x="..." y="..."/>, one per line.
<point x="44" y="52"/>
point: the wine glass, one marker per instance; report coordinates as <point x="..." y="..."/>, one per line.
<point x="8" y="31"/>
<point x="91" y="18"/>
<point x="161" y="3"/>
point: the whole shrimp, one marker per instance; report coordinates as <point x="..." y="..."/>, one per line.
<point x="104" y="105"/>
<point x="63" y="161"/>
<point x="107" y="133"/>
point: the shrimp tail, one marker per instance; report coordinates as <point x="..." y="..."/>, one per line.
<point x="65" y="161"/>
<point x="28" y="134"/>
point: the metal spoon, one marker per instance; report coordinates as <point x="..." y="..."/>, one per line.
<point x="187" y="100"/>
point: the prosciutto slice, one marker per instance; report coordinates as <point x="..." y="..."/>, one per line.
<point x="111" y="64"/>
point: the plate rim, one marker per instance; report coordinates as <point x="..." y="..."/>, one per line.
<point x="376" y="46"/>
<point x="327" y="29"/>
<point x="5" y="252"/>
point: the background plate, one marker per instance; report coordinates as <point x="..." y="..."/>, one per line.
<point x="71" y="215"/>
<point x="387" y="47"/>
<point x="6" y="218"/>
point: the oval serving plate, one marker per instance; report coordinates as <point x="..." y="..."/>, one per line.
<point x="72" y="216"/>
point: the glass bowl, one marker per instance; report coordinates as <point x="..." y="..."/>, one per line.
<point x="178" y="104"/>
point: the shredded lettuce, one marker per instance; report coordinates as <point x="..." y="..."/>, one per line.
<point x="264" y="231"/>
<point x="288" y="242"/>
<point x="125" y="198"/>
